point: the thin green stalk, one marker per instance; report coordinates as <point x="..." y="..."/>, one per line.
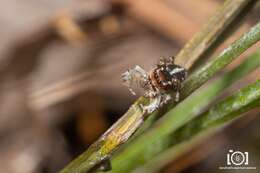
<point x="156" y="139"/>
<point x="228" y="55"/>
<point x="170" y="155"/>
<point x="120" y="132"/>
<point x="210" y="32"/>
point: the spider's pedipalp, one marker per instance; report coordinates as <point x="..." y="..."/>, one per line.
<point x="162" y="61"/>
<point x="171" y="59"/>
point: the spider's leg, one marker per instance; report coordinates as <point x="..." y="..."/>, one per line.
<point x="160" y="100"/>
<point x="171" y="59"/>
<point x="165" y="83"/>
<point x="150" y="90"/>
<point x="162" y="61"/>
<point x="150" y="94"/>
<point x="155" y="104"/>
<point x="141" y="71"/>
<point x="177" y="96"/>
<point x="177" y="85"/>
<point x="134" y="78"/>
<point x="142" y="78"/>
<point x="166" y="98"/>
<point x="127" y="78"/>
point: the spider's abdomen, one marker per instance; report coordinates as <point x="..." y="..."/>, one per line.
<point x="168" y="77"/>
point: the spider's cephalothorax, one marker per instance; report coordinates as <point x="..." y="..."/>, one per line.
<point x="157" y="84"/>
<point x="168" y="77"/>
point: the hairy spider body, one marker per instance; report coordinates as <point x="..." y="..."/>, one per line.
<point x="168" y="77"/>
<point x="157" y="84"/>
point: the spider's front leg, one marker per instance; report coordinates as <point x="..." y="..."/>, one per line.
<point x="165" y="98"/>
<point x="158" y="101"/>
<point x="135" y="78"/>
<point x="179" y="85"/>
<point x="150" y="93"/>
<point x="154" y="104"/>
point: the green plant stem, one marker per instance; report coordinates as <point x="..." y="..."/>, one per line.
<point x="157" y="139"/>
<point x="210" y="32"/>
<point x="227" y="55"/>
<point x="120" y="132"/>
<point x="173" y="153"/>
<point x="203" y="126"/>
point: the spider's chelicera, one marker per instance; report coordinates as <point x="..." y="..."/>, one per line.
<point x="158" y="83"/>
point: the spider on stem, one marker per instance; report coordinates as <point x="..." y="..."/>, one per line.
<point x="165" y="77"/>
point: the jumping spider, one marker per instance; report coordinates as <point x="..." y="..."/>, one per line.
<point x="165" y="77"/>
